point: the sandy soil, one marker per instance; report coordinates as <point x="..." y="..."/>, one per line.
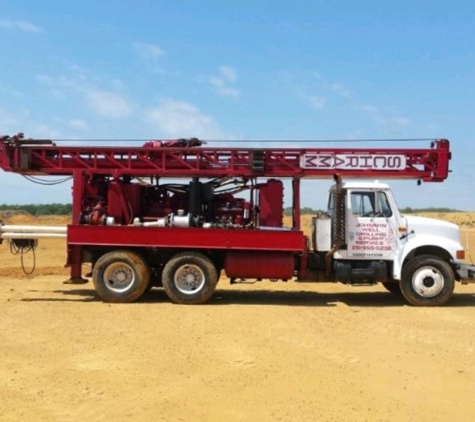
<point x="261" y="352"/>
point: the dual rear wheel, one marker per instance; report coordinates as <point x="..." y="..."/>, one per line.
<point x="124" y="276"/>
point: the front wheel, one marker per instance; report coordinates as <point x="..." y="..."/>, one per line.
<point x="189" y="278"/>
<point x="427" y="281"/>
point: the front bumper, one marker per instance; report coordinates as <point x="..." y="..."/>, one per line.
<point x="464" y="272"/>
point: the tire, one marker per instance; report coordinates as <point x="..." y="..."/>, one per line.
<point x="427" y="281"/>
<point x="189" y="278"/>
<point x="394" y="288"/>
<point x="120" y="276"/>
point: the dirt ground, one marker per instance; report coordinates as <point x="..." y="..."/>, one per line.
<point x="255" y="352"/>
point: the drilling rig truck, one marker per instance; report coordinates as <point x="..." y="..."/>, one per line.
<point x="177" y="215"/>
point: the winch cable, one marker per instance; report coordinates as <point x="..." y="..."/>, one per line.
<point x="45" y="182"/>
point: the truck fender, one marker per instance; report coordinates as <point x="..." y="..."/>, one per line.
<point x="430" y="245"/>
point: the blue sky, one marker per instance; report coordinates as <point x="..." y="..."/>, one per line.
<point x="242" y="70"/>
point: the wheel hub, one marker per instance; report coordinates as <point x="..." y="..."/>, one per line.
<point x="428" y="281"/>
<point x="119" y="277"/>
<point x="189" y="279"/>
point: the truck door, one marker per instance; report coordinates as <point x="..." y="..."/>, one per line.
<point x="371" y="232"/>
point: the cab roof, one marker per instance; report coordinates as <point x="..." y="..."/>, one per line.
<point x="363" y="185"/>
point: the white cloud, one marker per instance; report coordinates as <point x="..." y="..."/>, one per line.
<point x="21" y="25"/>
<point x="105" y="102"/>
<point x="180" y="119"/>
<point x="148" y="51"/>
<point x="216" y="82"/>
<point x="229" y="73"/>
<point x="340" y="89"/>
<point x="228" y="91"/>
<point x="223" y="84"/>
<point x="376" y="114"/>
<point x="59" y="81"/>
<point x="57" y="93"/>
<point x="401" y="121"/>
<point x="12" y="122"/>
<point x="70" y="126"/>
<point x="117" y="84"/>
<point x="150" y="54"/>
<point x="78" y="69"/>
<point x="108" y="103"/>
<point x="316" y="102"/>
<point x="6" y="117"/>
<point x="9" y="123"/>
<point x="355" y="135"/>
<point x="373" y="112"/>
<point x="41" y="130"/>
<point x="221" y="88"/>
<point x="370" y="109"/>
<point x="77" y="124"/>
<point x="45" y="79"/>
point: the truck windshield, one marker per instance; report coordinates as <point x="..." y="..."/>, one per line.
<point x="384" y="204"/>
<point x="370" y="204"/>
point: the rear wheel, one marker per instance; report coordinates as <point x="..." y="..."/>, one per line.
<point x="121" y="276"/>
<point x="189" y="278"/>
<point x="427" y="281"/>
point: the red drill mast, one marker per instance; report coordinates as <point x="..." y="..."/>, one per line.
<point x="40" y="157"/>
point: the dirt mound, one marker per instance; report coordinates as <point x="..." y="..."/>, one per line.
<point x="24" y="217"/>
<point x="54" y="219"/>
<point x="16" y="217"/>
<point x="463" y="219"/>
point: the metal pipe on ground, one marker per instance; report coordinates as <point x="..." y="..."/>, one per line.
<point x="32" y="235"/>
<point x="34" y="229"/>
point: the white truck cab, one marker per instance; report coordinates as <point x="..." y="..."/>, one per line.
<point x="370" y="240"/>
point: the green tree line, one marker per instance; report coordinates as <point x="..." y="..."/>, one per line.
<point x="39" y="209"/>
<point x="409" y="210"/>
<point x="303" y="211"/>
